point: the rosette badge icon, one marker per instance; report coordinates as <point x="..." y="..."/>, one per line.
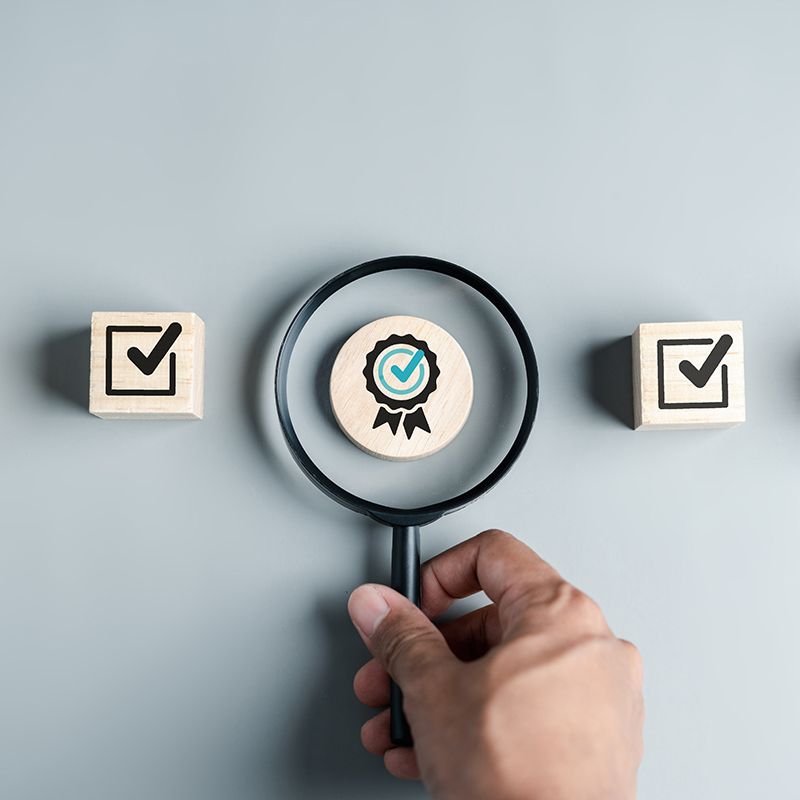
<point x="401" y="374"/>
<point x="401" y="388"/>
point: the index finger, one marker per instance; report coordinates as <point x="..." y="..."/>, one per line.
<point x="512" y="575"/>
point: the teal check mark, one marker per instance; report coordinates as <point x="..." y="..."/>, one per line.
<point x="406" y="372"/>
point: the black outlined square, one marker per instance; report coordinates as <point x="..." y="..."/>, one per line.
<point x="168" y="392"/>
<point x="662" y="402"/>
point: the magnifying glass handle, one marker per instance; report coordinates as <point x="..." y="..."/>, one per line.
<point x="405" y="579"/>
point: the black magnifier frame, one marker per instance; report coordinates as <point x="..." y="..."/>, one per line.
<point x="405" y="522"/>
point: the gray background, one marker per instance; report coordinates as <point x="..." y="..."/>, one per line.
<point x="172" y="595"/>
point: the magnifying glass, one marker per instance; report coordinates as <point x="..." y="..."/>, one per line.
<point x="494" y="387"/>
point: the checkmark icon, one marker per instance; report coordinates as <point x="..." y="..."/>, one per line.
<point x="701" y="376"/>
<point x="147" y="364"/>
<point x="403" y="374"/>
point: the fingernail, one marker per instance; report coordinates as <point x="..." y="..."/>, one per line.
<point x="367" y="608"/>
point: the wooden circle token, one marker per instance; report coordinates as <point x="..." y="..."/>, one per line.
<point x="401" y="388"/>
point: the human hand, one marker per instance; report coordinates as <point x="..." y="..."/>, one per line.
<point x="531" y="696"/>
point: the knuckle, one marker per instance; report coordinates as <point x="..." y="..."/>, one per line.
<point x="493" y="536"/>
<point x="536" y="604"/>
<point x="558" y="602"/>
<point x="583" y="609"/>
<point x="526" y="600"/>
<point x="634" y="660"/>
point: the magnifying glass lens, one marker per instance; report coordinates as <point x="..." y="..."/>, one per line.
<point x="399" y="370"/>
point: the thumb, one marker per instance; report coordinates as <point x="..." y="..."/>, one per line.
<point x="399" y="635"/>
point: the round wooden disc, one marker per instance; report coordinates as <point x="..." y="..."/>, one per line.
<point x="401" y="388"/>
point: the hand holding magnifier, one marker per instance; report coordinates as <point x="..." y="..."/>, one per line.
<point x="402" y="371"/>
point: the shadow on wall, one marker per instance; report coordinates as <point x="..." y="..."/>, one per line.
<point x="610" y="378"/>
<point x="63" y="365"/>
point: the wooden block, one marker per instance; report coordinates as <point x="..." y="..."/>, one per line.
<point x="146" y="365"/>
<point x="401" y="388"/>
<point x="688" y="375"/>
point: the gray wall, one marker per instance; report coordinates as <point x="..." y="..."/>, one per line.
<point x="172" y="595"/>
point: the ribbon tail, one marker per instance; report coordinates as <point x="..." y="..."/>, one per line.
<point x="385" y="417"/>
<point x="416" y="419"/>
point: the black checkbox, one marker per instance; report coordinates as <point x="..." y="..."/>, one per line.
<point x="662" y="401"/>
<point x="169" y="391"/>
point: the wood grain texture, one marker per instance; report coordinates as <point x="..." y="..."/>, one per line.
<point x="688" y="375"/>
<point x="445" y="410"/>
<point x="158" y="365"/>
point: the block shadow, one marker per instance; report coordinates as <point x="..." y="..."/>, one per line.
<point x="610" y="378"/>
<point x="322" y="380"/>
<point x="63" y="365"/>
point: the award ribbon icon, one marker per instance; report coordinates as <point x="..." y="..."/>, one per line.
<point x="401" y="374"/>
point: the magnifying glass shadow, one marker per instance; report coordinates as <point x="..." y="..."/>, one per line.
<point x="324" y="755"/>
<point x="323" y="748"/>
<point x="257" y="398"/>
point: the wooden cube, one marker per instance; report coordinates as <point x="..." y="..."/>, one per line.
<point x="146" y="365"/>
<point x="688" y="375"/>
